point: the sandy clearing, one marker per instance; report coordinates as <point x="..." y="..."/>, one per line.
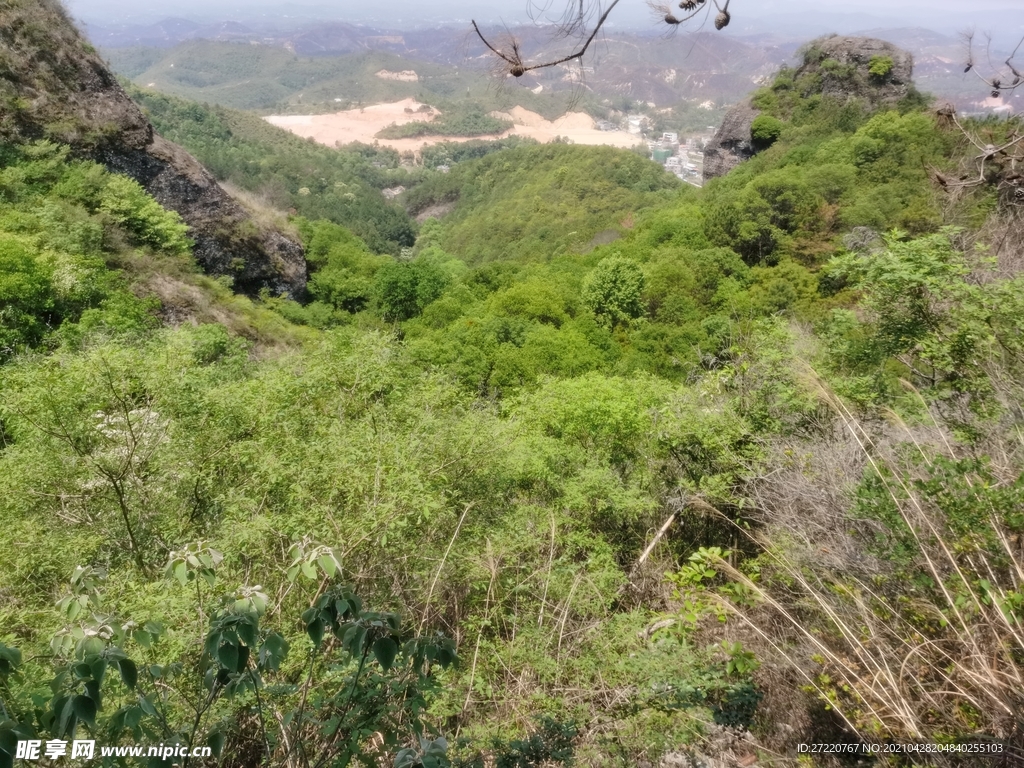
<point x="362" y="124"/>
<point x="577" y="126"/>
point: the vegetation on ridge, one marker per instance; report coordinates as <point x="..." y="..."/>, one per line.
<point x="289" y="173"/>
<point x="465" y="120"/>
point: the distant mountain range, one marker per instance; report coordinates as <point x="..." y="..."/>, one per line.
<point x="701" y="67"/>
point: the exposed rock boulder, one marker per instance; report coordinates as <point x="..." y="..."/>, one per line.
<point x="845" y="64"/>
<point x="227" y="240"/>
<point x="732" y="143"/>
<point x="53" y="85"/>
<point x="841" y="68"/>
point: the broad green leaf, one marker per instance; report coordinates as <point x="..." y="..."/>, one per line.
<point x="385" y="649"/>
<point x="65" y="711"/>
<point x="315" y="630"/>
<point x="216" y="742"/>
<point x="181" y="572"/>
<point x="147" y="706"/>
<point x="328" y="565"/>
<point x="227" y="655"/>
<point x="84" y="708"/>
<point x="129" y="672"/>
<point x="248" y="632"/>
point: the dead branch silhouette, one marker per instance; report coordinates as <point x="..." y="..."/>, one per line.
<point x="583" y="22"/>
<point x="1001" y="78"/>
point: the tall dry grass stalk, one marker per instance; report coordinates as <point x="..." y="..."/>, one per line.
<point x="897" y="661"/>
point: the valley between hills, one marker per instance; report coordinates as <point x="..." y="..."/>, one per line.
<point x="429" y="433"/>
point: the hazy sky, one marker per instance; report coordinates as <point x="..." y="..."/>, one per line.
<point x="942" y="15"/>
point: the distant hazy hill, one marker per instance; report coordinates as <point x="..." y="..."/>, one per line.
<point x="266" y="77"/>
<point x="338" y="65"/>
<point x="309" y="68"/>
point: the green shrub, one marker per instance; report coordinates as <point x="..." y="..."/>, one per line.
<point x="765" y="130"/>
<point x="880" y="66"/>
<point x="401" y="290"/>
<point x="128" y="204"/>
<point x="613" y="291"/>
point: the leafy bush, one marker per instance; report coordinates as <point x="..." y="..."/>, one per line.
<point x="613" y="291"/>
<point x="880" y="66"/>
<point x="342" y="267"/>
<point x="402" y="290"/>
<point x="552" y="744"/>
<point x="925" y="313"/>
<point x="765" y="130"/>
<point x="55" y="220"/>
<point x="127" y="203"/>
<point x="385" y="692"/>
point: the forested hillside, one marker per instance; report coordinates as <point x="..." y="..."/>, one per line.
<point x="593" y="470"/>
<point x="289" y="173"/>
<point x="269" y="78"/>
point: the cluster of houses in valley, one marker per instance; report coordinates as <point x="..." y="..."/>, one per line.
<point x="683" y="157"/>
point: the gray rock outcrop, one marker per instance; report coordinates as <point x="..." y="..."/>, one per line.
<point x="53" y="85"/>
<point x="732" y="143"/>
<point x="857" y="53"/>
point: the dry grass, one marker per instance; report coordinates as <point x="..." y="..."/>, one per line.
<point x="188" y="297"/>
<point x="262" y="211"/>
<point x="894" y="660"/>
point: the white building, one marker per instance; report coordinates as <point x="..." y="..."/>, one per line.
<point x="635" y="124"/>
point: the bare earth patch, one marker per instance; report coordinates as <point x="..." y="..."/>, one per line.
<point x="436" y="211"/>
<point x="363" y="124"/>
<point x="405" y="76"/>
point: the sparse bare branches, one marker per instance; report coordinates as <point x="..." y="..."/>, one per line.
<point x="998" y="161"/>
<point x="1001" y="79"/>
<point x="582" y="21"/>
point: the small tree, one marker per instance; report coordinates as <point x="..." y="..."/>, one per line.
<point x="880" y="66"/>
<point x="613" y="291"/>
<point x="364" y="675"/>
<point x="402" y="291"/>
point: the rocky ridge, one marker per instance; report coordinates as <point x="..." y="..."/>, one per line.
<point x="53" y="85"/>
<point x="837" y="67"/>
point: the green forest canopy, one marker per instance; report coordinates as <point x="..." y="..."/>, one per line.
<point x="479" y="425"/>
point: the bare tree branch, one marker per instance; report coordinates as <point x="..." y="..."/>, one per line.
<point x="576" y="23"/>
<point x="1000" y="79"/>
<point x="583" y="21"/>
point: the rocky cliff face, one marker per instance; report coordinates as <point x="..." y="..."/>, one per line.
<point x="54" y="85"/>
<point x="732" y="143"/>
<point x="842" y="68"/>
<point x="844" y="65"/>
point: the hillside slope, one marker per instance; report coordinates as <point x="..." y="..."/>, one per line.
<point x="53" y="85"/>
<point x="866" y="71"/>
<point x="680" y="477"/>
